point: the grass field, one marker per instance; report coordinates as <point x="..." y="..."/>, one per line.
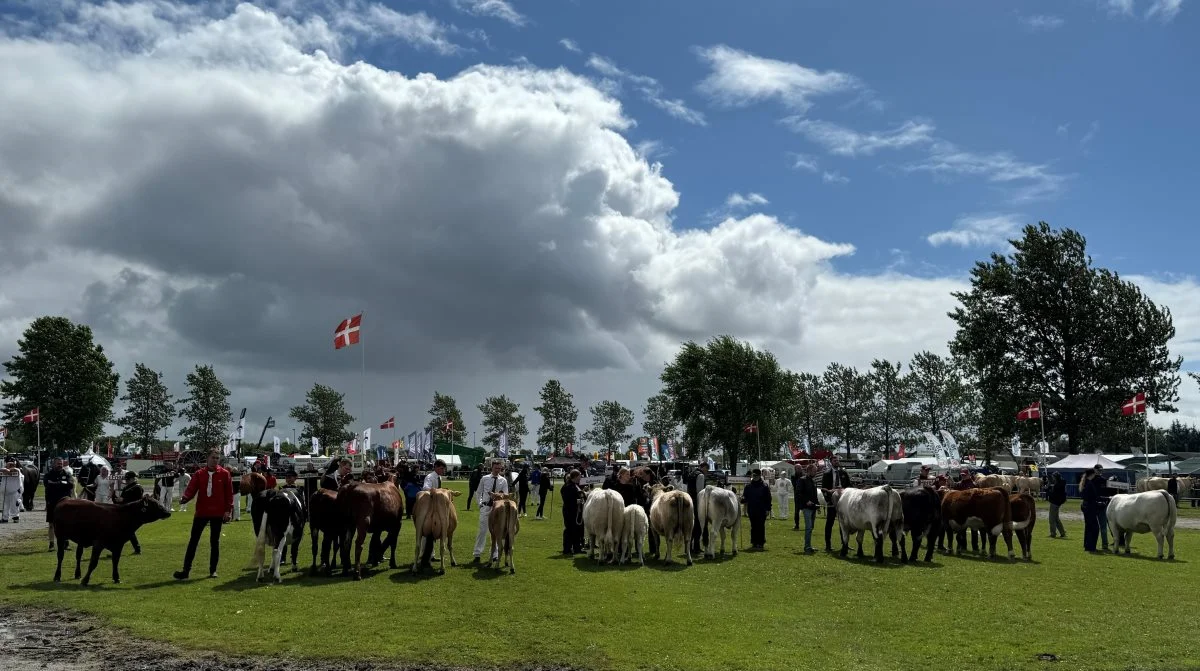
<point x="777" y="609"/>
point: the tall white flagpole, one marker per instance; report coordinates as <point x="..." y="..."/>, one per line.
<point x="1042" y="418"/>
<point x="362" y="382"/>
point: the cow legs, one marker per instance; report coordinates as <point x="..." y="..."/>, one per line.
<point x="313" y="533"/>
<point x="277" y="559"/>
<point x="881" y="539"/>
<point x="418" y="550"/>
<point x="78" y="557"/>
<point x="933" y="531"/>
<point x="116" y="560"/>
<point x="687" y="549"/>
<point x="359" y="539"/>
<point x="1008" y="534"/>
<point x="92" y="563"/>
<point x="1158" y="537"/>
<point x="1170" y="534"/>
<point x="859" y="538"/>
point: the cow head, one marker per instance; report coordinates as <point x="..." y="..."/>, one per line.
<point x="151" y="510"/>
<point x="500" y="496"/>
<point x="454" y="493"/>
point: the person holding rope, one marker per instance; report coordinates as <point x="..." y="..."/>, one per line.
<point x="544" y="487"/>
<point x="572" y="510"/>
<point x="131" y="491"/>
<point x="835" y="478"/>
<point x="493" y="484"/>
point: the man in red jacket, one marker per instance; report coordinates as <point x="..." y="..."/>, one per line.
<point x="212" y="487"/>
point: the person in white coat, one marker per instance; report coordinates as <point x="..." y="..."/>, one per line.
<point x="184" y="479"/>
<point x="783" y="495"/>
<point x="496" y="483"/>
<point x="12" y="487"/>
<point x="103" y="486"/>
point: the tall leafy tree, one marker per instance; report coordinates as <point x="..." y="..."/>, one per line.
<point x="939" y="394"/>
<point x="847" y="404"/>
<point x="806" y="390"/>
<point x="206" y="409"/>
<point x="658" y="418"/>
<point x="148" y="406"/>
<point x="59" y="370"/>
<point x="720" y="387"/>
<point x="501" y="414"/>
<point x="558" y="416"/>
<point x="445" y="410"/>
<point x="889" y="407"/>
<point x="323" y="415"/>
<point x="610" y="425"/>
<point x="1042" y="322"/>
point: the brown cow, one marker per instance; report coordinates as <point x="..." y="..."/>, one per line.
<point x="101" y="526"/>
<point x="1024" y="516"/>
<point x="987" y="510"/>
<point x="324" y="516"/>
<point x="435" y="519"/>
<point x="372" y="508"/>
<point x="503" y="526"/>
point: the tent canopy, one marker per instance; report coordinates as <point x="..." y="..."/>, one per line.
<point x="1083" y="461"/>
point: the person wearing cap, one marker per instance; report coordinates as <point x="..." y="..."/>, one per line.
<point x="433" y="480"/>
<point x="925" y="479"/>
<point x="131" y="491"/>
<point x="757" y="498"/>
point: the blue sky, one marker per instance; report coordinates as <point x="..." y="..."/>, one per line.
<point x="1100" y="98"/>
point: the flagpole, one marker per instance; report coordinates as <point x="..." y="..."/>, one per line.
<point x="362" y="382"/>
<point x="1042" y="419"/>
<point x="757" y="442"/>
<point x="1146" y="440"/>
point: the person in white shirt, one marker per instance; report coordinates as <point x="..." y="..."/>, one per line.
<point x="103" y="487"/>
<point x="783" y="495"/>
<point x="12" y="487"/>
<point x="490" y="484"/>
<point x="434" y="479"/>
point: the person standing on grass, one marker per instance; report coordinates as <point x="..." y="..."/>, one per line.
<point x="492" y="484"/>
<point x="522" y="490"/>
<point x="806" y="501"/>
<point x="182" y="483"/>
<point x="1089" y="492"/>
<point x="433" y="480"/>
<point x="1173" y="488"/>
<point x="696" y="482"/>
<point x="58" y="486"/>
<point x="212" y="487"/>
<point x="757" y="497"/>
<point x="572" y="528"/>
<point x="131" y="491"/>
<point x="1102" y="498"/>
<point x="835" y="478"/>
<point x="473" y="483"/>
<point x="1057" y="497"/>
<point x="543" y="489"/>
<point x="166" y="487"/>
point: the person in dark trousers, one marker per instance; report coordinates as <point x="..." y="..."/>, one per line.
<point x="212" y="487"/>
<point x="1089" y="492"/>
<point x="131" y="491"/>
<point x="1173" y="489"/>
<point x="696" y="482"/>
<point x="572" y="510"/>
<point x="757" y="497"/>
<point x="87" y="477"/>
<point x="1057" y="497"/>
<point x="522" y="490"/>
<point x="835" y="478"/>
<point x="57" y="483"/>
<point x="806" y="500"/>
<point x="1104" y="493"/>
<point x="473" y="483"/>
<point x="646" y="477"/>
<point x="543" y="489"/>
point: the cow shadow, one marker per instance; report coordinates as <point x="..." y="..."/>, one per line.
<point x="675" y="565"/>
<point x="585" y="563"/>
<point x="51" y="586"/>
<point x="1153" y="557"/>
<point x="161" y="583"/>
<point x="484" y="572"/>
<point x="405" y="576"/>
<point x="869" y="560"/>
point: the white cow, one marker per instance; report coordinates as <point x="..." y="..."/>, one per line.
<point x="721" y="509"/>
<point x="672" y="517"/>
<point x="636" y="526"/>
<point x="783" y="495"/>
<point x="877" y="510"/>
<point x="603" y="522"/>
<point x="1145" y="512"/>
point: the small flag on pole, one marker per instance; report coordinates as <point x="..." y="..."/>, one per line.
<point x="1134" y="406"/>
<point x="175" y="447"/>
<point x="33" y="417"/>
<point x="275" y="440"/>
<point x="1034" y="411"/>
<point x="241" y="430"/>
<point x="502" y="450"/>
<point x="389" y="424"/>
<point x="346" y="334"/>
<point x="366" y="439"/>
<point x="752" y="427"/>
<point x="316" y="445"/>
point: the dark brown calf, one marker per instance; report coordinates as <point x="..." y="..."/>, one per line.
<point x="100" y="526"/>
<point x="370" y="508"/>
<point x="1024" y="516"/>
<point x="985" y="509"/>
<point x="325" y="516"/>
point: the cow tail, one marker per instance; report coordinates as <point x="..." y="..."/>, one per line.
<point x="260" y="543"/>
<point x="887" y="521"/>
<point x="1173" y="514"/>
<point x="678" y="518"/>
<point x="615" y="519"/>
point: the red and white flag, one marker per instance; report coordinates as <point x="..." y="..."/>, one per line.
<point x="1034" y="411"/>
<point x="900" y="452"/>
<point x="390" y="424"/>
<point x="450" y="425"/>
<point x="347" y="332"/>
<point x="32" y="418"/>
<point x="751" y="427"/>
<point x="1135" y="405"/>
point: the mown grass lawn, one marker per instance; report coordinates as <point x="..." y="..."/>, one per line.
<point x="776" y="609"/>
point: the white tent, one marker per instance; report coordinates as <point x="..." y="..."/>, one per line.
<point x="1082" y="461"/>
<point x="453" y="461"/>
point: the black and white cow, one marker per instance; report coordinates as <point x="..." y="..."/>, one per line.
<point x="922" y="518"/>
<point x="284" y="517"/>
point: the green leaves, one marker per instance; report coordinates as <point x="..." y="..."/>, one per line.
<point x="558" y="416"/>
<point x="610" y="425"/>
<point x="658" y="418"/>
<point x="206" y="409"/>
<point x="62" y="372"/>
<point x="500" y="414"/>
<point x="148" y="406"/>
<point x="324" y="416"/>
<point x="445" y="410"/>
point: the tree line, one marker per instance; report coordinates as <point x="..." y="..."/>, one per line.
<point x="1038" y="323"/>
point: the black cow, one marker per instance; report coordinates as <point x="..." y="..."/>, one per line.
<point x="283" y="520"/>
<point x="922" y="517"/>
<point x="31" y="476"/>
<point x="102" y="526"/>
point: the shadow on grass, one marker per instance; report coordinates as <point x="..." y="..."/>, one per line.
<point x="1143" y="557"/>
<point x="405" y="576"/>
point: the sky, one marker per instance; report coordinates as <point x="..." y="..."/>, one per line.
<point x="513" y="190"/>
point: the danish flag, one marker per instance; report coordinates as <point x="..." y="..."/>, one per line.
<point x="450" y="425"/>
<point x="347" y="332"/>
<point x="1034" y="411"/>
<point x="751" y="427"/>
<point x="32" y="418"/>
<point x="390" y="424"/>
<point x="1135" y="406"/>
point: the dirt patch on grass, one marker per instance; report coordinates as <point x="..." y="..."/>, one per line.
<point x="55" y="640"/>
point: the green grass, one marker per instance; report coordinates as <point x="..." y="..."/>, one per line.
<point x="776" y="609"/>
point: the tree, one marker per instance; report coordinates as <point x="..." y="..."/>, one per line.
<point x="939" y="394"/>
<point x="658" y="418"/>
<point x="610" y="425"/>
<point x="719" y="388"/>
<point x="1043" y="323"/>
<point x="890" y="406"/>
<point x="148" y="406"/>
<point x="60" y="371"/>
<point x="848" y="400"/>
<point x="445" y="410"/>
<point x="558" y="416"/>
<point x="806" y="390"/>
<point x="206" y="409"/>
<point x="324" y="416"/>
<point x="502" y="414"/>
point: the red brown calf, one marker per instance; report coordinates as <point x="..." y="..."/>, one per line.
<point x="100" y="526"/>
<point x="986" y="510"/>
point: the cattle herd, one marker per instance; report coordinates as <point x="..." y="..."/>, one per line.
<point x="616" y="532"/>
